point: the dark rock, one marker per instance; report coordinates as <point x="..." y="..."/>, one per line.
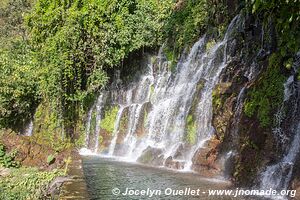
<point x="151" y="156"/>
<point x="174" y="164"/>
<point x="54" y="186"/>
<point x="179" y="152"/>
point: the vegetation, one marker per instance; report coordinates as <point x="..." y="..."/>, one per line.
<point x="7" y="160"/>
<point x="18" y="83"/>
<point x="57" y="55"/>
<point x="286" y="15"/>
<point x="109" y="119"/>
<point x="267" y="95"/>
<point x="191" y="19"/>
<point x="191" y="135"/>
<point x="50" y="159"/>
<point x="76" y="41"/>
<point x="62" y="53"/>
<point x="26" y="183"/>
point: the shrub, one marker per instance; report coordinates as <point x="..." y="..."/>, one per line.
<point x="7" y="160"/>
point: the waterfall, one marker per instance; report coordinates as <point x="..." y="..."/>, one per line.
<point x="88" y="127"/>
<point x="238" y="112"/>
<point x="170" y="97"/>
<point x="97" y="109"/>
<point x="99" y="106"/>
<point x="279" y="116"/>
<point x="235" y="127"/>
<point x="29" y="129"/>
<point x="134" y="103"/>
<point x="278" y="176"/>
<point x="115" y="132"/>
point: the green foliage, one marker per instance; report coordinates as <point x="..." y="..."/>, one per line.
<point x="18" y="83"/>
<point x="7" y="160"/>
<point x="50" y="159"/>
<point x="267" y="94"/>
<point x="192" y="18"/>
<point x="191" y="135"/>
<point x="216" y="98"/>
<point x="48" y="128"/>
<point x="286" y="15"/>
<point x="172" y="58"/>
<point x="75" y="42"/>
<point x="210" y="44"/>
<point x="186" y="22"/>
<point x="26" y="183"/>
<point x="108" y="122"/>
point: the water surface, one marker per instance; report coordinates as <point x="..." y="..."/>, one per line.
<point x="103" y="175"/>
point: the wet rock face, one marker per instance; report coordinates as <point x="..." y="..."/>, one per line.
<point x="106" y="137"/>
<point x="179" y="154"/>
<point x="152" y="156"/>
<point x="205" y="159"/>
<point x="295" y="185"/>
<point x="174" y="164"/>
<point x="223" y="104"/>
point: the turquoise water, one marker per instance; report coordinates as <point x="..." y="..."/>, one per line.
<point x="103" y="176"/>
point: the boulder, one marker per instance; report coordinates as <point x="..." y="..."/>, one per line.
<point x="174" y="164"/>
<point x="151" y="156"/>
<point x="205" y="159"/>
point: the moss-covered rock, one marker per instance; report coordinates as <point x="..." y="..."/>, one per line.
<point x="108" y="122"/>
<point x="267" y="94"/>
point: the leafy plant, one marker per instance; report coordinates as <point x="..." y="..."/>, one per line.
<point x="7" y="160"/>
<point x="50" y="159"/>
<point x="26" y="183"/>
<point x="286" y="16"/>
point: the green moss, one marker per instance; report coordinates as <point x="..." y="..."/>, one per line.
<point x="289" y="63"/>
<point x="152" y="90"/>
<point x="108" y="122"/>
<point x="172" y="58"/>
<point x="210" y="44"/>
<point x="191" y="136"/>
<point x="100" y="139"/>
<point x="216" y="99"/>
<point x="267" y="94"/>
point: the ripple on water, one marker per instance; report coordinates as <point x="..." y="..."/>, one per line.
<point x="103" y="175"/>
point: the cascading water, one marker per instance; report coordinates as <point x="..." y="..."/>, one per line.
<point x="172" y="98"/>
<point x="92" y="135"/>
<point x="278" y="176"/>
<point x="88" y="126"/>
<point x="99" y="106"/>
<point x="115" y="133"/>
<point x="29" y="129"/>
<point x="238" y="112"/>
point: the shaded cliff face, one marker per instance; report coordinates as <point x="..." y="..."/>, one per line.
<point x="255" y="106"/>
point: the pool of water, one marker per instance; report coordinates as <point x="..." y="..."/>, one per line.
<point x="110" y="179"/>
